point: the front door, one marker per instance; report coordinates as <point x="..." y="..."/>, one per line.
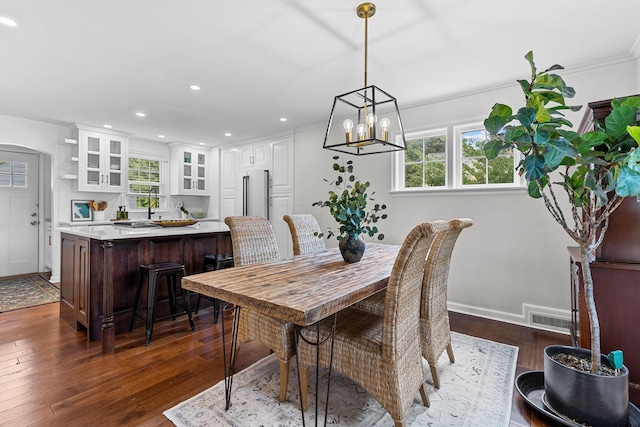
<point x="19" y="213"/>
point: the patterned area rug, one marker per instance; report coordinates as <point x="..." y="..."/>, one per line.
<point x="475" y="391"/>
<point x="26" y="291"/>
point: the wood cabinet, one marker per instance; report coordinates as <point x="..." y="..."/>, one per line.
<point x="82" y="273"/>
<point x="616" y="280"/>
<point x="190" y="171"/>
<point x="102" y="160"/>
<point x="74" y="280"/>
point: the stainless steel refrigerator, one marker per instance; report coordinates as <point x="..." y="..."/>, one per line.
<point x="255" y="193"/>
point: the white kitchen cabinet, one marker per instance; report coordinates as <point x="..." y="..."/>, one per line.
<point x="103" y="160"/>
<point x="274" y="155"/>
<point x="255" y="156"/>
<point x="282" y="167"/>
<point x="190" y="171"/>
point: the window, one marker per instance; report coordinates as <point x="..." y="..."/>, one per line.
<point x="425" y="162"/>
<point x="146" y="183"/>
<point x="476" y="169"/>
<point x="13" y="174"/>
<point x="452" y="158"/>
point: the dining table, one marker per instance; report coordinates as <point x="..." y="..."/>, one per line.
<point x="303" y="290"/>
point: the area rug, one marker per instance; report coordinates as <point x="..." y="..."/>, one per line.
<point x="475" y="391"/>
<point x="26" y="291"/>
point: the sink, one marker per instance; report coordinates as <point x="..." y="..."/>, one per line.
<point x="136" y="223"/>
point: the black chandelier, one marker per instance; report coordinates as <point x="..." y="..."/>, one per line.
<point x="368" y="116"/>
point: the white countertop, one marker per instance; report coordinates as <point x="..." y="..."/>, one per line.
<point x="118" y="232"/>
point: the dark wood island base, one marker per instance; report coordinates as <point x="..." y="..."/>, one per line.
<point x="99" y="272"/>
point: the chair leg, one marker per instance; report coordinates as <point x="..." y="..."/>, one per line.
<point x="284" y="380"/>
<point x="137" y="301"/>
<point x="304" y="385"/>
<point x="399" y="423"/>
<point x="151" y="303"/>
<point x="425" y="396"/>
<point x="198" y="304"/>
<point x="434" y="375"/>
<point x="452" y="359"/>
<point x="171" y="285"/>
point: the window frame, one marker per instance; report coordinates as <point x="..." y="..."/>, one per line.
<point x="162" y="185"/>
<point x="518" y="182"/>
<point x="453" y="167"/>
<point x="423" y="135"/>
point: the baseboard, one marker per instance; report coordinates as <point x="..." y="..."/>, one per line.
<point x="530" y="316"/>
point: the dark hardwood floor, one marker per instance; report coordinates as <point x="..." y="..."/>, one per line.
<point x="51" y="376"/>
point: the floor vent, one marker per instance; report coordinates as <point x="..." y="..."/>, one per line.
<point x="553" y="322"/>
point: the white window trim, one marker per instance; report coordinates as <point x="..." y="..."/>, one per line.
<point x="164" y="196"/>
<point x="453" y="179"/>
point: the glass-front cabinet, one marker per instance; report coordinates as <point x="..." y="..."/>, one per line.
<point x="189" y="170"/>
<point x="102" y="161"/>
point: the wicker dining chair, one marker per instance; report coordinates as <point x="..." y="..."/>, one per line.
<point x="302" y="228"/>
<point x="435" y="332"/>
<point x="253" y="240"/>
<point x="381" y="353"/>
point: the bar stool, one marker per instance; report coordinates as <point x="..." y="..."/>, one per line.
<point x="215" y="262"/>
<point x="173" y="271"/>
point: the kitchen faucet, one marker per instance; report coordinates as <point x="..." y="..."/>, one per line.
<point x="152" y="190"/>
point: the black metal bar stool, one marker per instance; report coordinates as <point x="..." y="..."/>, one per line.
<point x="173" y="271"/>
<point x="215" y="262"/>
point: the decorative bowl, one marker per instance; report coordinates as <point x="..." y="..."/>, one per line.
<point x="198" y="215"/>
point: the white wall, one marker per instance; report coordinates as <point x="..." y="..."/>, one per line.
<point x="514" y="257"/>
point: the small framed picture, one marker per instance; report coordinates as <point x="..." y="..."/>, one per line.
<point x="80" y="211"/>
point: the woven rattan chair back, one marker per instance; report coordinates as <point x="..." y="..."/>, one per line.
<point x="434" y="317"/>
<point x="382" y="352"/>
<point x="252" y="239"/>
<point x="304" y="229"/>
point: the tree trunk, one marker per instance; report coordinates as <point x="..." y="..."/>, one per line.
<point x="594" y="324"/>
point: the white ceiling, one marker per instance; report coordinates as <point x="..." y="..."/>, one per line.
<point x="98" y="62"/>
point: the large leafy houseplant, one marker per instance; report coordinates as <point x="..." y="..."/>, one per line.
<point x="596" y="170"/>
<point x="348" y="204"/>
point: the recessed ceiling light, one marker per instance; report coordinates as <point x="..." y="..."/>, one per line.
<point x="283" y="119"/>
<point x="139" y="114"/>
<point x="227" y="134"/>
<point x="201" y="143"/>
<point x="8" y="22"/>
<point x="108" y="126"/>
<point x="160" y="136"/>
<point x="194" y="87"/>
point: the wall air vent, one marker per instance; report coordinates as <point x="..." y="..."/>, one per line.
<point x="550" y="322"/>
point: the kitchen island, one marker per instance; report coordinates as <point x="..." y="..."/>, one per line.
<point x="99" y="269"/>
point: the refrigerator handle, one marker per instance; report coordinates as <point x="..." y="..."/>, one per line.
<point x="245" y="195"/>
<point x="266" y="191"/>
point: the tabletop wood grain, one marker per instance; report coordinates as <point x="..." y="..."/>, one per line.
<point x="302" y="290"/>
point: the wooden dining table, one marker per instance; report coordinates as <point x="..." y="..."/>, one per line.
<point x="302" y="290"/>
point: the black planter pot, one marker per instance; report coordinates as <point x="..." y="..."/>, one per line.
<point x="351" y="249"/>
<point x="594" y="400"/>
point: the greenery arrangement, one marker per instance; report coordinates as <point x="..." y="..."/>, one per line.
<point x="596" y="170"/>
<point x="348" y="202"/>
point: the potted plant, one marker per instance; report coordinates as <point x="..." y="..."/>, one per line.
<point x="347" y="203"/>
<point x="595" y="170"/>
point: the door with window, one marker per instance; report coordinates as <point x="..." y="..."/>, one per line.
<point x="19" y="215"/>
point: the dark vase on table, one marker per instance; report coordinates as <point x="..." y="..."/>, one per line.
<point x="351" y="248"/>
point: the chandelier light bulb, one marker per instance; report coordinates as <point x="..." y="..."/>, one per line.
<point x="384" y="124"/>
<point x="348" y="127"/>
<point x="371" y="121"/>
<point x="362" y="129"/>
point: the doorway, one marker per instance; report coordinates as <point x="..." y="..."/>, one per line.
<point x="19" y="213"/>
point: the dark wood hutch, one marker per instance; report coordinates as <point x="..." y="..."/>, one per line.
<point x="616" y="280"/>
